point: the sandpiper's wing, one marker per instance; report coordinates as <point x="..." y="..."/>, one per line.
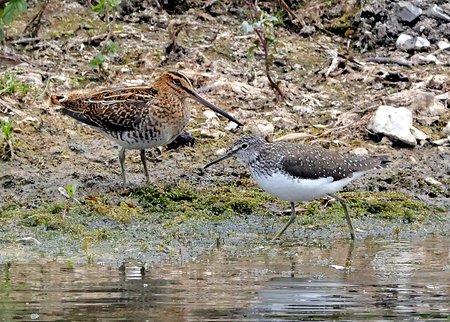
<point x="311" y="162"/>
<point x="118" y="109"/>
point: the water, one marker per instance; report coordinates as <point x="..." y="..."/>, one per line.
<point x="381" y="280"/>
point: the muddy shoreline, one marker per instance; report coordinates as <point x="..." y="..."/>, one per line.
<point x="186" y="211"/>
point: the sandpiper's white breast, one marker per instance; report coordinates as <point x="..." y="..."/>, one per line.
<point x="293" y="189"/>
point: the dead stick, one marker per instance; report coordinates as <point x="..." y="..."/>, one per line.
<point x="389" y="60"/>
<point x="263" y="43"/>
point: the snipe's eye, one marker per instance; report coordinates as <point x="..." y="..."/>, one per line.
<point x="177" y="82"/>
<point x="244" y="146"/>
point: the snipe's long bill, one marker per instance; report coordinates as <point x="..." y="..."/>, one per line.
<point x="138" y="118"/>
<point x="296" y="173"/>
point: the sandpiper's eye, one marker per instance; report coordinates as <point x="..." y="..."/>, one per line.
<point x="244" y="146"/>
<point x="177" y="82"/>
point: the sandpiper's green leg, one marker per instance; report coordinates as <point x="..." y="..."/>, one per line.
<point x="347" y="216"/>
<point x="291" y="220"/>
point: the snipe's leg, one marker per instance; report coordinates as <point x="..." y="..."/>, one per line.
<point x="291" y="220"/>
<point x="122" y="163"/>
<point x="144" y="163"/>
<point x="347" y="216"/>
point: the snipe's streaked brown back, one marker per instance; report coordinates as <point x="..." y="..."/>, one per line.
<point x="139" y="117"/>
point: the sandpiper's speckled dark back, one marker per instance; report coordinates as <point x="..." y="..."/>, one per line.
<point x="302" y="161"/>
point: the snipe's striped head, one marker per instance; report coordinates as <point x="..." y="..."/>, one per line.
<point x="180" y="85"/>
<point x="175" y="82"/>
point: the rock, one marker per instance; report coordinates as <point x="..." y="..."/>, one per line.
<point x="28" y="240"/>
<point x="433" y="182"/>
<point x="303" y="109"/>
<point x="421" y="43"/>
<point x="220" y="151"/>
<point x="34" y="79"/>
<point x="446" y="129"/>
<point x="444" y="141"/>
<point x="359" y="151"/>
<point x="211" y="133"/>
<point x="418" y="59"/>
<point x="393" y="122"/>
<point x="231" y="126"/>
<point x="443" y="97"/>
<point x="75" y="147"/>
<point x="406" y="42"/>
<point x="427" y="104"/>
<point x="307" y="30"/>
<point x="418" y="101"/>
<point x="407" y="11"/>
<point x="293" y="136"/>
<point x="420" y="136"/>
<point x="259" y="127"/>
<point x="210" y="115"/>
<point x="436" y="12"/>
<point x="284" y="123"/>
<point x="443" y="45"/>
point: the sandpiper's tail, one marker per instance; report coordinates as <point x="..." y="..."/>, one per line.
<point x="358" y="163"/>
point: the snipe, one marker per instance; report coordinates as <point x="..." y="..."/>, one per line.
<point x="138" y="118"/>
<point x="295" y="173"/>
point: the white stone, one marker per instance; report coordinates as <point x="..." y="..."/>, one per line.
<point x="418" y="134"/>
<point x="359" y="151"/>
<point x="421" y="43"/>
<point x="437" y="12"/>
<point x="210" y="114"/>
<point x="443" y="45"/>
<point x="433" y="182"/>
<point x="293" y="136"/>
<point x="259" y="127"/>
<point x="303" y="109"/>
<point x="31" y="78"/>
<point x="405" y="42"/>
<point x="446" y="129"/>
<point x="231" y="126"/>
<point x="418" y="101"/>
<point x="444" y="141"/>
<point x="284" y="123"/>
<point x="220" y="151"/>
<point x="422" y="60"/>
<point x="393" y="122"/>
<point x="407" y="11"/>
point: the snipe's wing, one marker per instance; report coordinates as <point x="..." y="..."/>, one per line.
<point x="119" y="109"/>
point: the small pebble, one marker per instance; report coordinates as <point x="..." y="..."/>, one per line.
<point x="433" y="182"/>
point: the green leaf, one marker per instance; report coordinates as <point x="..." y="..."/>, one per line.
<point x="7" y="128"/>
<point x="104" y="6"/>
<point x="71" y="190"/>
<point x="12" y="10"/>
<point x="97" y="61"/>
<point x="271" y="40"/>
<point x="251" y="51"/>
<point x="112" y="49"/>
